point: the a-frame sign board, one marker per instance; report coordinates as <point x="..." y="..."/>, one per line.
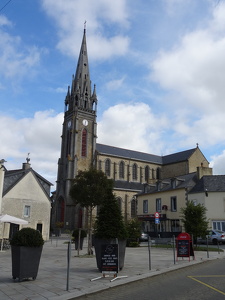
<point x="109" y="261"/>
<point x="184" y="246"/>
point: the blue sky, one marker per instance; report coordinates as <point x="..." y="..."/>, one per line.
<point x="159" y="68"/>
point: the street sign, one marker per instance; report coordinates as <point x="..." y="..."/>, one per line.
<point x="157" y="221"/>
<point x="156" y="215"/>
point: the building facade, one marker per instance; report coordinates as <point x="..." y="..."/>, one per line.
<point x="131" y="170"/>
<point x="25" y="195"/>
<point x="210" y="192"/>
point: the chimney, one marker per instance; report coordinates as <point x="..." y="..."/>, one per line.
<point x="26" y="165"/>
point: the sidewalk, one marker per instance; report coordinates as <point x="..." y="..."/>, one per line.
<point x="51" y="282"/>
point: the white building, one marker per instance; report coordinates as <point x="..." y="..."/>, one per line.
<point x="25" y="194"/>
<point x="210" y="191"/>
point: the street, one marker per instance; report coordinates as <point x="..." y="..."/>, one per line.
<point x="202" y="281"/>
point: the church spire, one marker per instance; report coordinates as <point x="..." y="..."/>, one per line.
<point x="81" y="94"/>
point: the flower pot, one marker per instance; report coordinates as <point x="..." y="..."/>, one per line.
<point x="25" y="261"/>
<point x="98" y="251"/>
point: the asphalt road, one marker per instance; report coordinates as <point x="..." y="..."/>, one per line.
<point x="202" y="281"/>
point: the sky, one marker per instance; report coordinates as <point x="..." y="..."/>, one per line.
<point x="158" y="66"/>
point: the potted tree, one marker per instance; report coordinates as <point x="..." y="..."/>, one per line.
<point x="26" y="248"/>
<point x="78" y="236"/>
<point x="90" y="188"/>
<point x="110" y="229"/>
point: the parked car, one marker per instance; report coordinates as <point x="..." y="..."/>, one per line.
<point x="144" y="237"/>
<point x="214" y="237"/>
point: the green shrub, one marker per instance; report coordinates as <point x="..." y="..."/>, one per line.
<point x="133" y="244"/>
<point x="27" y="237"/>
<point x="134" y="229"/>
<point x="83" y="233"/>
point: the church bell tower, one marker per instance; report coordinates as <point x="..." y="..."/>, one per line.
<point x="78" y="139"/>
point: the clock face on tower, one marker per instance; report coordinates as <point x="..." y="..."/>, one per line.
<point x="69" y="124"/>
<point x="85" y="122"/>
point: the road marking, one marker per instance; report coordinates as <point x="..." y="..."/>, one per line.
<point x="209" y="286"/>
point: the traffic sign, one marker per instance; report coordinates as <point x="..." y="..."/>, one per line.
<point x="157" y="221"/>
<point x="156" y="215"/>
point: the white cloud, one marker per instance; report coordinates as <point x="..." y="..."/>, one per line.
<point x="193" y="72"/>
<point x="70" y="15"/>
<point x="4" y="21"/>
<point x="132" y="126"/>
<point x="217" y="163"/>
<point x="115" y="84"/>
<point x="39" y="136"/>
<point x="17" y="61"/>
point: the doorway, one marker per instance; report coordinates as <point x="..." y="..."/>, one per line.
<point x="39" y="227"/>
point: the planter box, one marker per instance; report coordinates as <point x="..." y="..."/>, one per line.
<point x="98" y="248"/>
<point x="25" y="261"/>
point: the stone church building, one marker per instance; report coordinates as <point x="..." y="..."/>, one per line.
<point x="131" y="170"/>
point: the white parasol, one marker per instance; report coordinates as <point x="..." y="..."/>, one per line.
<point x="10" y="219"/>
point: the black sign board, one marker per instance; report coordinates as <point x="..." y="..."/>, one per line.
<point x="183" y="248"/>
<point x="109" y="258"/>
<point x="184" y="245"/>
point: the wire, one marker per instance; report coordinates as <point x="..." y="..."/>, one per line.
<point x="5" y="5"/>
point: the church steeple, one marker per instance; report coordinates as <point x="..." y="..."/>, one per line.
<point x="79" y="134"/>
<point x="81" y="94"/>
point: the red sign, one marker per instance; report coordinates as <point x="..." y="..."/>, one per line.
<point x="184" y="236"/>
<point x="156" y="215"/>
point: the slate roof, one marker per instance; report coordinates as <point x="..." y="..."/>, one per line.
<point x="211" y="183"/>
<point x="182" y="181"/>
<point x="151" y="158"/>
<point x="125" y="153"/>
<point x="125" y="185"/>
<point x="177" y="157"/>
<point x="12" y="177"/>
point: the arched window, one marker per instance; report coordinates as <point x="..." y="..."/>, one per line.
<point x="121" y="170"/>
<point x="119" y="201"/>
<point x="84" y="143"/>
<point x="133" y="208"/>
<point x="107" y="167"/>
<point x="158" y="173"/>
<point x="146" y="173"/>
<point x="134" y="171"/>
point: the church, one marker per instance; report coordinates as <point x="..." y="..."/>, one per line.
<point x="131" y="170"/>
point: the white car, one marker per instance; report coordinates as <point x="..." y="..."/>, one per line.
<point x="214" y="237"/>
<point x="144" y="237"/>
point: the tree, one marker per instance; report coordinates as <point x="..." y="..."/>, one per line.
<point x="109" y="222"/>
<point x="134" y="232"/>
<point x="91" y="188"/>
<point x="194" y="219"/>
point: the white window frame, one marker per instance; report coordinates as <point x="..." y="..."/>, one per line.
<point x="26" y="212"/>
<point x="145" y="206"/>
<point x="173" y="203"/>
<point x="158" y="204"/>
